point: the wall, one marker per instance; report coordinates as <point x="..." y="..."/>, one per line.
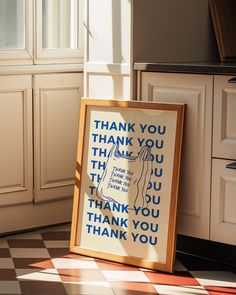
<point x="173" y="31"/>
<point x="107" y="48"/>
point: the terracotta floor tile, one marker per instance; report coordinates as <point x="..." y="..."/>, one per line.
<point x="6" y="263"/>
<point x="56" y="235"/>
<point x="180" y="290"/>
<point x="7" y="275"/>
<point x="47" y="275"/>
<point x="26" y="243"/>
<point x="107" y="265"/>
<point x="9" y="287"/>
<point x="132" y="288"/>
<point x="29" y="253"/>
<point x="42" y="288"/>
<point x="57" y="244"/>
<point x="77" y="256"/>
<point x="177" y="279"/>
<point x="81" y="275"/>
<point x="4" y="253"/>
<point x="215" y="278"/>
<point x="88" y="288"/>
<point x="32" y="263"/>
<point x="35" y="235"/>
<point x="73" y="263"/>
<point x="58" y="252"/>
<point x="3" y="243"/>
<point x="41" y="264"/>
<point x="126" y="276"/>
<point x="213" y="290"/>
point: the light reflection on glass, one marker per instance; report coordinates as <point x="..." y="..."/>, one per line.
<point x="12" y="25"/>
<point x="60" y="24"/>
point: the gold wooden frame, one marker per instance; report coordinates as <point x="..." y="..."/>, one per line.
<point x="171" y="235"/>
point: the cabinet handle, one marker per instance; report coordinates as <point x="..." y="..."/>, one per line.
<point x="232" y="80"/>
<point x="231" y="165"/>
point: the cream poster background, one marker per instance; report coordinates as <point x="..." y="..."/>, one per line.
<point x="114" y="228"/>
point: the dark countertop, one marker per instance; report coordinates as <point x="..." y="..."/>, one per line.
<point x="188" y="67"/>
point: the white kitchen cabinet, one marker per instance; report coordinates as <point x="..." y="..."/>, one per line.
<point x="41" y="56"/>
<point x="223" y="193"/>
<point x="56" y="113"/>
<point x="196" y="91"/>
<point x="208" y="181"/>
<point x="223" y="202"/>
<point x="224" y="135"/>
<point x="16" y="165"/>
<point x="39" y="118"/>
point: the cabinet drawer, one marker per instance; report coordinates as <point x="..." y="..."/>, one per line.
<point x="223" y="201"/>
<point x="224" y="119"/>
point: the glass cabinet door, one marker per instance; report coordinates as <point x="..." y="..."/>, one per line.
<point x="15" y="32"/>
<point x="58" y="31"/>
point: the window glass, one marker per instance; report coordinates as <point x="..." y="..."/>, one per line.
<point x="12" y="24"/>
<point x="60" y="24"/>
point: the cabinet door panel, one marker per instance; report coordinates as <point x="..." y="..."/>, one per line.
<point x="16" y="140"/>
<point x="196" y="92"/>
<point x="57" y="100"/>
<point x="223" y="211"/>
<point x="224" y="128"/>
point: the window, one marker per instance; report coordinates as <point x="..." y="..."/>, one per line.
<point x="57" y="31"/>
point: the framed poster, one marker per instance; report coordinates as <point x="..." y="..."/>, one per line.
<point x="127" y="182"/>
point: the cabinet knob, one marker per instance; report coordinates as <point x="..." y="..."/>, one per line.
<point x="231" y="165"/>
<point x="232" y="80"/>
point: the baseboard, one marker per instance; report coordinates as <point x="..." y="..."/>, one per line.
<point x="208" y="249"/>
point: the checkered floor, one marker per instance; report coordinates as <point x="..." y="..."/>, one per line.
<point x="40" y="263"/>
